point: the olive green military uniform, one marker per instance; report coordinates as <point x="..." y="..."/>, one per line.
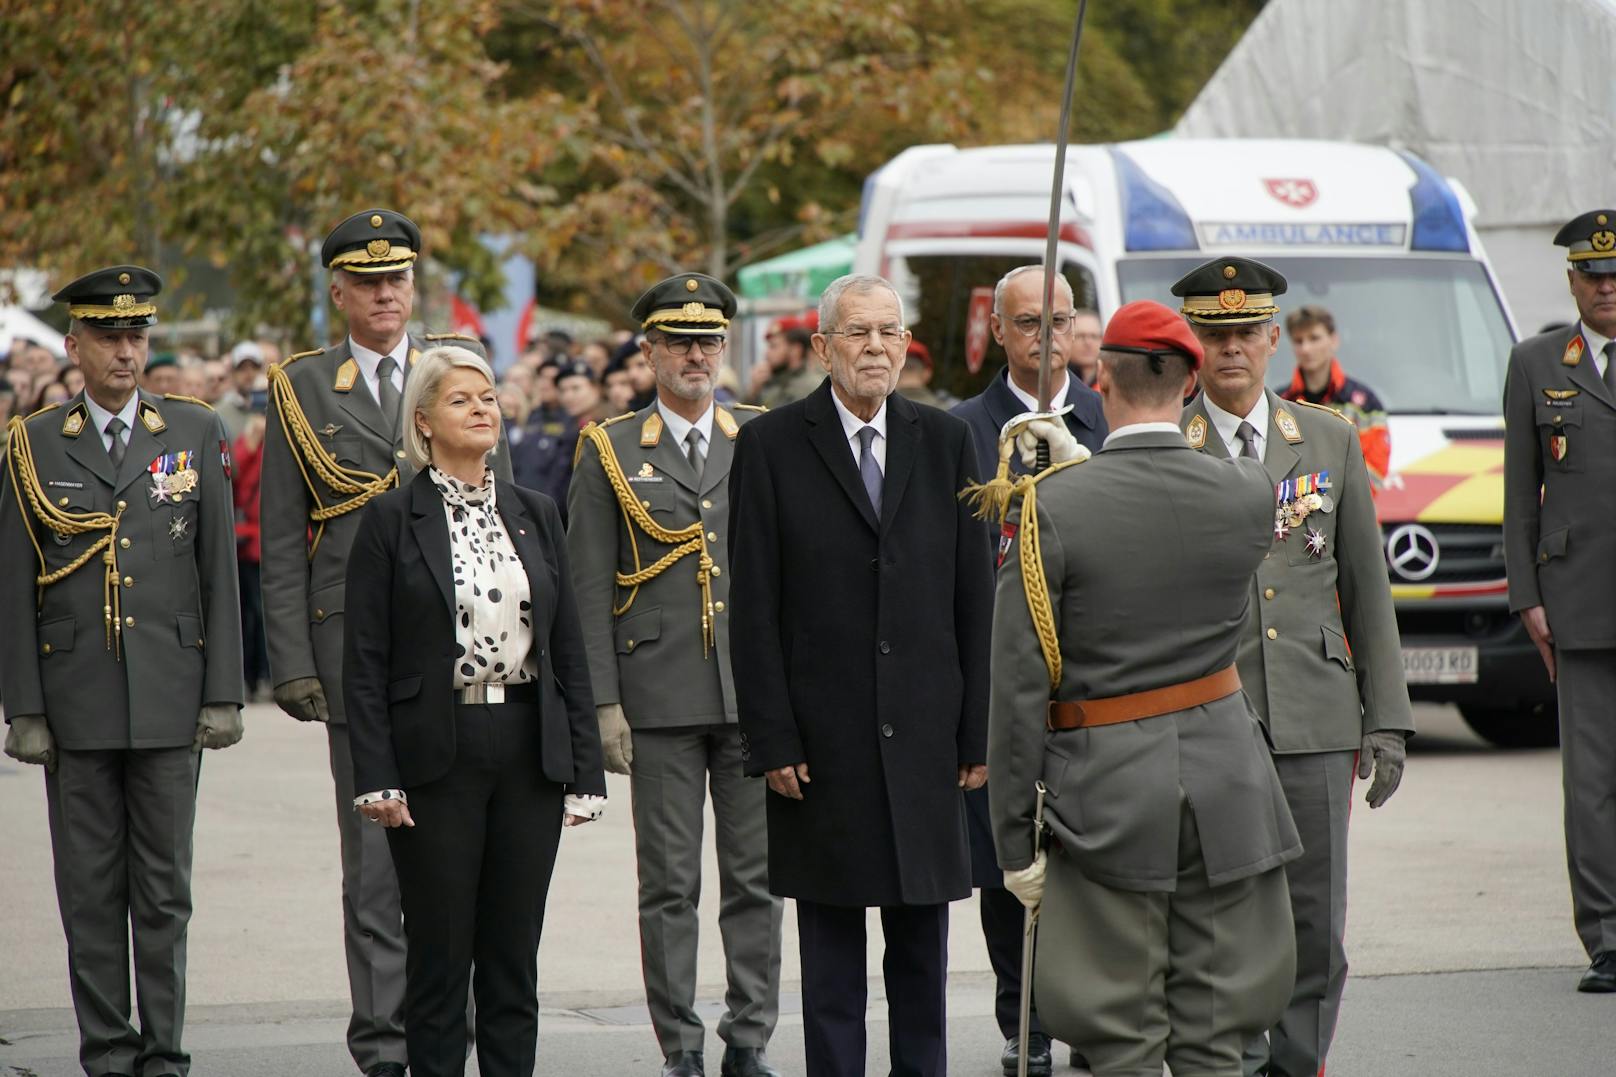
<point x="136" y="631"/>
<point x="1164" y="920"/>
<point x="661" y="650"/>
<point x="785" y="386"/>
<point x="1560" y="552"/>
<point x="329" y="449"/>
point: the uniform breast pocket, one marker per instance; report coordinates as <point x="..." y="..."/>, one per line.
<point x="176" y="524"/>
<point x="658" y="497"/>
<point x="1559" y="428"/>
<point x="345" y="449"/>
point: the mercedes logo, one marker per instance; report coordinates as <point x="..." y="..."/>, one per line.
<point x="1412" y="552"/>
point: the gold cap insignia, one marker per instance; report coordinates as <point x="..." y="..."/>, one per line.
<point x="1232" y="298"/>
<point x="1601" y="219"/>
<point x="1229" y="272"/>
<point x="1287" y="427"/>
<point x="123" y="302"/>
<point x="375" y="220"/>
<point x="123" y="278"/>
<point x="1603" y="242"/>
<point x="691" y="285"/>
<point x="1196" y="434"/>
<point x="379" y="248"/>
<point x="693" y="308"/>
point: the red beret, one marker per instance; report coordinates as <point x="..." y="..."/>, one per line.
<point x="919" y="351"/>
<point x="1144" y="325"/>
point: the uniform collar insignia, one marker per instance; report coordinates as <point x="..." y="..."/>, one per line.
<point x="651" y="431"/>
<point x="347" y="374"/>
<point x="1196" y="433"/>
<point x="726" y="422"/>
<point x="1287" y="426"/>
<point x="151" y="418"/>
<point x="1573" y="351"/>
<point x="75" y="419"/>
<point x="415" y="353"/>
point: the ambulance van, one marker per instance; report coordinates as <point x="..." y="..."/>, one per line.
<point x="1373" y="234"/>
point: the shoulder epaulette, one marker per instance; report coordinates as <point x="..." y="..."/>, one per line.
<point x="759" y="408"/>
<point x="615" y="419"/>
<point x="41" y="411"/>
<point x="299" y="355"/>
<point x="450" y="336"/>
<point x="187" y="399"/>
<point x="1327" y="410"/>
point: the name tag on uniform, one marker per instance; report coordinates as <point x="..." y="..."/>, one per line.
<point x="647" y="473"/>
<point x="64" y="484"/>
<point x="1561" y="398"/>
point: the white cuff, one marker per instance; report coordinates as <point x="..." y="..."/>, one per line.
<point x="380" y="795"/>
<point x="584" y="806"/>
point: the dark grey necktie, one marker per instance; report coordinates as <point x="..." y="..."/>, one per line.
<point x="115" y="429"/>
<point x="693" y="452"/>
<point x="869" y="470"/>
<point x="1609" y="353"/>
<point x="386" y="392"/>
<point x="1248" y="441"/>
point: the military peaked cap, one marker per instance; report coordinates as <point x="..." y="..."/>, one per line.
<point x="375" y="241"/>
<point x="689" y="304"/>
<point x="1591" y="239"/>
<point x="119" y="297"/>
<point x="1230" y="291"/>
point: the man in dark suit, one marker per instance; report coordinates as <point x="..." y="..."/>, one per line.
<point x="861" y="601"/>
<point x="1559" y="500"/>
<point x="1017" y="306"/>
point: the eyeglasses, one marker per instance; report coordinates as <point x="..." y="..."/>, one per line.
<point x="1028" y="324"/>
<point x="680" y="346"/>
<point x="891" y="336"/>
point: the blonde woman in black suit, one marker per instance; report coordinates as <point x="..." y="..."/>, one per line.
<point x="470" y="715"/>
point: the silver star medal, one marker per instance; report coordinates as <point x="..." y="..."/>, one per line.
<point x="177" y="528"/>
<point x="1315" y="542"/>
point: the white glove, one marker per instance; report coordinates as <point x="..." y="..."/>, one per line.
<point x="616" y="743"/>
<point x="1062" y="445"/>
<point x="1028" y="883"/>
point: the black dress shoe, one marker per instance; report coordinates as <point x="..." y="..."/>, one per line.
<point x="1040" y="1063"/>
<point x="1076" y="1060"/>
<point x="746" y="1062"/>
<point x="684" y="1064"/>
<point x="386" y="1069"/>
<point x="1600" y="979"/>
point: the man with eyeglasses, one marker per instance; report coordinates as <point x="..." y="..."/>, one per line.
<point x="1017" y="310"/>
<point x="648" y="513"/>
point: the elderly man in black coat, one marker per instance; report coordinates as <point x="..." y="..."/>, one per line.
<point x="862" y="604"/>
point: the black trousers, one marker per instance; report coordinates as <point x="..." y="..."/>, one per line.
<point x="254" y="641"/>
<point x="473" y="875"/>
<point x="915" y="969"/>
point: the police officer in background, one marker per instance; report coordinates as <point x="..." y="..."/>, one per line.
<point x="120" y="655"/>
<point x="1560" y="551"/>
<point x="1321" y="660"/>
<point x="334" y="441"/>
<point x="648" y="500"/>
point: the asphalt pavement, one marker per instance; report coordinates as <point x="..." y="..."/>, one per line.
<point x="1463" y="957"/>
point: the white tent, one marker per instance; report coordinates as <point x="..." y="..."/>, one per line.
<point x="16" y="322"/>
<point x="1514" y="98"/>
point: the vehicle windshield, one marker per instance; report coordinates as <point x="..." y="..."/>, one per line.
<point x="1425" y="333"/>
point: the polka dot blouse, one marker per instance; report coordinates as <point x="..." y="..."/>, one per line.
<point x="493" y="605"/>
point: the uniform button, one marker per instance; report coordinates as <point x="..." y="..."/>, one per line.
<point x="62" y="502"/>
<point x="46" y="649"/>
<point x="121" y="505"/>
<point x="1268" y="593"/>
<point x="886" y="729"/>
<point x="1557" y="420"/>
<point x="886" y="648"/>
<point x="399" y="454"/>
<point x="319" y="615"/>
<point x="1542" y="557"/>
<point x="875" y="564"/>
<point x="129" y="622"/>
<point x="706" y="503"/>
<point x="629" y="645"/>
<point x="124" y="543"/>
<point x="128" y="581"/>
<point x="178" y="499"/>
<point x="717" y="571"/>
<point x="1273" y="633"/>
<point x="199" y="644"/>
<point x="712" y="536"/>
<point x="718" y="606"/>
<point x="647" y="504"/>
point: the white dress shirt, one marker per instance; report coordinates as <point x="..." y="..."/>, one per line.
<point x="100" y="417"/>
<point x="1226" y="425"/>
<point x="1140" y="428"/>
<point x="1596" y="344"/>
<point x="1057" y="398"/>
<point x="679" y="427"/>
<point x="852" y="424"/>
<point x="368" y="362"/>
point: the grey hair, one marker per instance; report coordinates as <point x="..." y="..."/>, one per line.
<point x="857" y="283"/>
<point x="421" y="393"/>
<point x="1004" y="282"/>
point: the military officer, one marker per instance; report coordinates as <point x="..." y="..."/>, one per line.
<point x="1559" y="548"/>
<point x="648" y="499"/>
<point x="333" y="441"/>
<point x="1321" y="660"/>
<point x="1165" y="923"/>
<point x="120" y="654"/>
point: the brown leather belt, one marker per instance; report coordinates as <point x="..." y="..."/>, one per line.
<point x="1088" y="713"/>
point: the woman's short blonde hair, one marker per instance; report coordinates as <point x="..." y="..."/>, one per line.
<point x="421" y="393"/>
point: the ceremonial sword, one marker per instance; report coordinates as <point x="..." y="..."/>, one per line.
<point x="1029" y="937"/>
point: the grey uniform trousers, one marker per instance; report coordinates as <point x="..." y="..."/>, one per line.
<point x="1318" y="787"/>
<point x="1133" y="979"/>
<point x="121" y="823"/>
<point x="372" y="923"/>
<point x="1587" y="694"/>
<point x="671" y="774"/>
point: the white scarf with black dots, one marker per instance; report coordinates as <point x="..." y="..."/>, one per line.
<point x="493" y="605"/>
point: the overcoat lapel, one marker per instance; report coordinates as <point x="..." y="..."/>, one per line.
<point x="720" y="454"/>
<point x="89" y="451"/>
<point x="825" y="434"/>
<point x="144" y="447"/>
<point x="903" y="445"/>
<point x="669" y="458"/>
<point x="431" y="529"/>
<point x="358" y="401"/>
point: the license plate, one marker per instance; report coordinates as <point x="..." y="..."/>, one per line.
<point x="1440" y="665"/>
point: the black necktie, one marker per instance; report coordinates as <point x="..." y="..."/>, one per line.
<point x="1248" y="441"/>
<point x="116" y="450"/>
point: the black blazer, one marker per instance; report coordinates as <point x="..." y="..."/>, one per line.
<point x="860" y="646"/>
<point x="399" y="645"/>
